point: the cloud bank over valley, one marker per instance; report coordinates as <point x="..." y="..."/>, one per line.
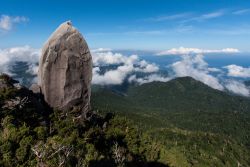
<point x="112" y="67"/>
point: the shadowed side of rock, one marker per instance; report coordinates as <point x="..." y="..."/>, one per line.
<point x="65" y="70"/>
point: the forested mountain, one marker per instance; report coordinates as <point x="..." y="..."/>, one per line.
<point x="178" y="123"/>
<point x="187" y="112"/>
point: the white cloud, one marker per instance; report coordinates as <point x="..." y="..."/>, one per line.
<point x="237" y="88"/>
<point x="147" y="79"/>
<point x="101" y="50"/>
<point x="206" y="16"/>
<point x="197" y="68"/>
<point x="211" y="15"/>
<point x="24" y="54"/>
<point x="212" y="69"/>
<point x="146" y="67"/>
<point x="101" y="58"/>
<point x="112" y="77"/>
<point x="169" y="17"/>
<point x="241" y="12"/>
<point x="7" y="22"/>
<point x="188" y="16"/>
<point x="237" y="71"/>
<point x="126" y="65"/>
<point x="108" y="58"/>
<point x="184" y="51"/>
<point x="9" y="57"/>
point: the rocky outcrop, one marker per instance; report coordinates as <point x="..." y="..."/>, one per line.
<point x="65" y="70"/>
<point x="14" y="96"/>
<point x="6" y="82"/>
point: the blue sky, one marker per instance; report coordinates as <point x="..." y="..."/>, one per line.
<point x="130" y="24"/>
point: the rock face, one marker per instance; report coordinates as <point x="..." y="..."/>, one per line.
<point x="65" y="69"/>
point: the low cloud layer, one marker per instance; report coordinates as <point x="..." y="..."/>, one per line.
<point x="148" y="79"/>
<point x="196" y="67"/>
<point x="126" y="65"/>
<point x="7" y="22"/>
<point x="19" y="54"/>
<point x="111" y="68"/>
<point x="237" y="87"/>
<point x="185" y="51"/>
<point x="237" y="71"/>
<point x="190" y="64"/>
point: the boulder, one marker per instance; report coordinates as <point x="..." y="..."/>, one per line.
<point x="35" y="88"/>
<point x="65" y="70"/>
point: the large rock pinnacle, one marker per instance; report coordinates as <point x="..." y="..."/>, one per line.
<point x="65" y="69"/>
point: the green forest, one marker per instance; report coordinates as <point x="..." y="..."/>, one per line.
<point x="192" y="121"/>
<point x="179" y="123"/>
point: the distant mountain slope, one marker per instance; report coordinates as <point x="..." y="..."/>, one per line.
<point x="184" y="103"/>
<point x="186" y="94"/>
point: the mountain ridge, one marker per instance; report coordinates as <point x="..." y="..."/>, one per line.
<point x="184" y="88"/>
<point x="182" y="102"/>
